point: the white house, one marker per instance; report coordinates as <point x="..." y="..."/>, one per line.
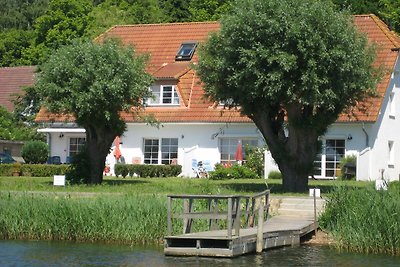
<point x="193" y="128"/>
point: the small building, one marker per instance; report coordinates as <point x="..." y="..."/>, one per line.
<point x="195" y="129"/>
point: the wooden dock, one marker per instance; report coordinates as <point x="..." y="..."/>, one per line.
<point x="236" y="225"/>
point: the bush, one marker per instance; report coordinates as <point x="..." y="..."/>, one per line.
<point x="234" y="172"/>
<point x="144" y="170"/>
<point x="255" y="159"/>
<point x="351" y="160"/>
<point x="33" y="170"/>
<point x="35" y="152"/>
<point x="275" y="175"/>
<point x="79" y="173"/>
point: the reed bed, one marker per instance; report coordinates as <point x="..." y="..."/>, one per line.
<point x="364" y="220"/>
<point x="124" y="219"/>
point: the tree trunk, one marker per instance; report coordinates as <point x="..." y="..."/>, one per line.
<point x="294" y="152"/>
<point x="98" y="143"/>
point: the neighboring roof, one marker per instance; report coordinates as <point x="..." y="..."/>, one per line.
<point x="12" y="80"/>
<point x="162" y="42"/>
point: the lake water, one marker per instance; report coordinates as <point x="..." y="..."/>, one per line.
<point x="40" y="253"/>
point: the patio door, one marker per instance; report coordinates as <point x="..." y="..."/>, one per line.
<point x="327" y="163"/>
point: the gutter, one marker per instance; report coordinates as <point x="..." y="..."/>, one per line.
<point x="366" y="135"/>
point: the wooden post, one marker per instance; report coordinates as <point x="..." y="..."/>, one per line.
<point x="187" y="209"/>
<point x="169" y="216"/>
<point x="237" y="216"/>
<point x="229" y="219"/>
<point x="260" y="221"/>
<point x="315" y="213"/>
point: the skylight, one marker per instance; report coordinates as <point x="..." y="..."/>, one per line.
<point x="186" y="51"/>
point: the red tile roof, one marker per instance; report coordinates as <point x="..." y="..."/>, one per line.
<point x="11" y="82"/>
<point x="162" y="41"/>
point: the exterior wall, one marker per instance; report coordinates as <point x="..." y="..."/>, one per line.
<point x="387" y="128"/>
<point x="195" y="141"/>
<point x="59" y="143"/>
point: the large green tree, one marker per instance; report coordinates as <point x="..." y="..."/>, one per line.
<point x="95" y="82"/>
<point x="292" y="67"/>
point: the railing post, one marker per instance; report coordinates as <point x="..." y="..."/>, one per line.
<point x="260" y="221"/>
<point x="315" y="213"/>
<point x="187" y="222"/>
<point x="229" y="219"/>
<point x="237" y="217"/>
<point x="169" y="216"/>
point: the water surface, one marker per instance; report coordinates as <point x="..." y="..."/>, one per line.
<point x="41" y="253"/>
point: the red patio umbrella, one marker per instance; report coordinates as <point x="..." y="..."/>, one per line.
<point x="117" y="150"/>
<point x="239" y="153"/>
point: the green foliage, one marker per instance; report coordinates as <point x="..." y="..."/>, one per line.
<point x="352" y="159"/>
<point x="20" y="14"/>
<point x="35" y="152"/>
<point x="63" y="21"/>
<point x="13" y="43"/>
<point x="11" y="129"/>
<point x="27" y="105"/>
<point x="126" y="219"/>
<point x="43" y="170"/>
<point x="32" y="170"/>
<point x="79" y="172"/>
<point x="234" y="172"/>
<point x="275" y="175"/>
<point x="143" y="170"/>
<point x="94" y="83"/>
<point x="255" y="159"/>
<point x="364" y="220"/>
<point x="304" y="63"/>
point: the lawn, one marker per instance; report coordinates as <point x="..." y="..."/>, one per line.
<point x="163" y="186"/>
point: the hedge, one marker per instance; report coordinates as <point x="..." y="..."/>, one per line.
<point x="34" y="170"/>
<point x="144" y="170"/>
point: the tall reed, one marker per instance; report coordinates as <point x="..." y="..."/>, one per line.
<point x="364" y="220"/>
<point x="121" y="219"/>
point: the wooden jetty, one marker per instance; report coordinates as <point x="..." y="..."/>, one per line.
<point x="236" y="225"/>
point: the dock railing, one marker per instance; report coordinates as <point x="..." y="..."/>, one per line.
<point x="236" y="210"/>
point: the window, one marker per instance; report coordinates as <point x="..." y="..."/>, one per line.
<point x="164" y="95"/>
<point x="167" y="146"/>
<point x="76" y="145"/>
<point x="228" y="146"/>
<point x="392" y="107"/>
<point x="151" y="151"/>
<point x="327" y="163"/>
<point x="391" y="152"/>
<point x="186" y="51"/>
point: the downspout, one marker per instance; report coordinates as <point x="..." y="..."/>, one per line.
<point x="366" y="135"/>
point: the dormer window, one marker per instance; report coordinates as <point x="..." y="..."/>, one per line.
<point x="186" y="51"/>
<point x="163" y="95"/>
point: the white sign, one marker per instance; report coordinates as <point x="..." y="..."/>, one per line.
<point x="59" y="180"/>
<point x="317" y="192"/>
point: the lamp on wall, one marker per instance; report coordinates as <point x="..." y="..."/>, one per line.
<point x="349" y="137"/>
<point x="61" y="135"/>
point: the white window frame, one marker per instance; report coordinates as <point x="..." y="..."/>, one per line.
<point x="322" y="164"/>
<point x="78" y="144"/>
<point x="391" y="150"/>
<point x="233" y="147"/>
<point x="159" y="97"/>
<point x="171" y="150"/>
<point x="392" y="105"/>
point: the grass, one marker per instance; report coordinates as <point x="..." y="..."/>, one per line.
<point x="364" y="220"/>
<point x="165" y="186"/>
<point x="130" y="210"/>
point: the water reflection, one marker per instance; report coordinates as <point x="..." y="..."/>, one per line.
<point x="39" y="253"/>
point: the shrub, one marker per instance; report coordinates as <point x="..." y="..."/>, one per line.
<point x="275" y="175"/>
<point x="255" y="159"/>
<point x="234" y="172"/>
<point x="144" y="170"/>
<point x="35" y="152"/>
<point x="79" y="173"/>
<point x="345" y="161"/>
<point x="43" y="170"/>
<point x="10" y="169"/>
